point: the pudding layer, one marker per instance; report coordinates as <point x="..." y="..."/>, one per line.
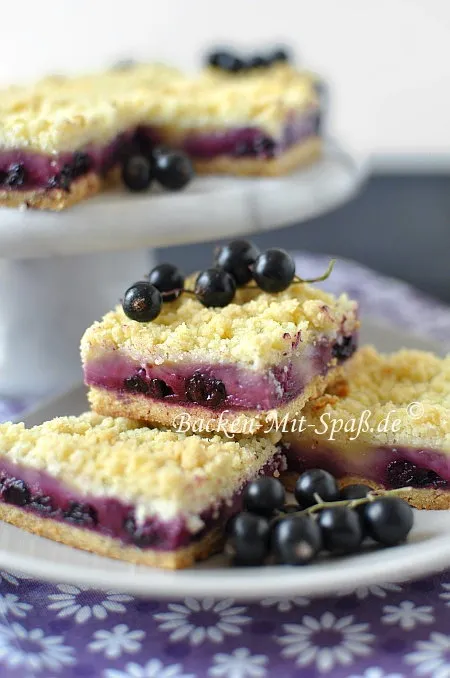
<point x="38" y="492"/>
<point x="22" y="170"/>
<point x="224" y="386"/>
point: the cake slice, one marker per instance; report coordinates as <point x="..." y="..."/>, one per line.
<point x="387" y="426"/>
<point x="223" y="369"/>
<point x="64" y="139"/>
<point x="119" y="489"/>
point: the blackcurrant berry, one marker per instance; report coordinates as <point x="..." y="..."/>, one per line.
<point x="258" y="61"/>
<point x="274" y="270"/>
<point x="137" y="172"/>
<point x="17" y="175"/>
<point x="388" y="520"/>
<point x="281" y="54"/>
<point x="168" y="279"/>
<point x="173" y="170"/>
<point x="264" y="496"/>
<point x="315" y="482"/>
<point x="341" y="529"/>
<point x="295" y="540"/>
<point x="16" y="492"/>
<point x="235" y="258"/>
<point x="142" y="302"/>
<point x="225" y="61"/>
<point x="248" y="539"/>
<point x="214" y="287"/>
<point x="352" y="492"/>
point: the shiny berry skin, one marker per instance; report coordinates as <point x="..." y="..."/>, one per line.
<point x="248" y="539"/>
<point x="81" y="514"/>
<point x="135" y="384"/>
<point x="235" y="258"/>
<point x="205" y="390"/>
<point x="344" y="348"/>
<point x="17" y="175"/>
<point x="173" y="169"/>
<point x="312" y="482"/>
<point x="355" y="491"/>
<point x="388" y="520"/>
<point x="226" y="61"/>
<point x="137" y="172"/>
<point x="295" y="540"/>
<point x="215" y="287"/>
<point x="157" y="388"/>
<point x="264" y="496"/>
<point x="274" y="270"/>
<point x="341" y="529"/>
<point x="16" y="492"/>
<point x="142" y="302"/>
<point x="168" y="279"/>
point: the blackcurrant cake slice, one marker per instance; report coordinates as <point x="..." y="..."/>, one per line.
<point x="119" y="489"/>
<point x="387" y="425"/>
<point x="218" y="357"/>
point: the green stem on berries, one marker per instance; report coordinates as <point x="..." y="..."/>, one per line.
<point x="324" y="276"/>
<point x="350" y="503"/>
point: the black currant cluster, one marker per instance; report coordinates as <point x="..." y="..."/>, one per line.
<point x="325" y="519"/>
<point x="171" y="169"/>
<point x="235" y="265"/>
<point x="226" y="60"/>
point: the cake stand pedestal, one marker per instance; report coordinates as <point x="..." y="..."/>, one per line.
<point x="61" y="271"/>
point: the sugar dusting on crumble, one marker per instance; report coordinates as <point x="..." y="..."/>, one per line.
<point x="257" y="330"/>
<point x="390" y="383"/>
<point x="161" y="471"/>
<point x="64" y="114"/>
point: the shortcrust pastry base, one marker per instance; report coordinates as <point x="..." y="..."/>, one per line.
<point x="54" y="199"/>
<point x="94" y="542"/>
<point x="304" y="153"/>
<point x="426" y="499"/>
<point x="142" y="408"/>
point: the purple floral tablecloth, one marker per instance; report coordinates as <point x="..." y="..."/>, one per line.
<point x="385" y="631"/>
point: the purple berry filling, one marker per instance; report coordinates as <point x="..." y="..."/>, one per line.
<point x="39" y="493"/>
<point x="220" y="385"/>
<point x="25" y="170"/>
<point x="391" y="467"/>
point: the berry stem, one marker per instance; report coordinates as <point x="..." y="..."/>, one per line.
<point x="324" y="276"/>
<point x="351" y="503"/>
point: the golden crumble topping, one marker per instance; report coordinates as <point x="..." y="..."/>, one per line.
<point x="161" y="471"/>
<point x="64" y="114"/>
<point x="257" y="329"/>
<point x="411" y="387"/>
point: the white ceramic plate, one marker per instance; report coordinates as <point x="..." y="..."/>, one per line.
<point x="427" y="551"/>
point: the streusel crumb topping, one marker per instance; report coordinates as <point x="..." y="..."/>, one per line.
<point x="414" y="386"/>
<point x="257" y="330"/>
<point x="161" y="471"/>
<point x="64" y="114"/>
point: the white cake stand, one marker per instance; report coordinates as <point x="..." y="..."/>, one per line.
<point x="61" y="271"/>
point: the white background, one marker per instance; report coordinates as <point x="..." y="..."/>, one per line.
<point x="388" y="60"/>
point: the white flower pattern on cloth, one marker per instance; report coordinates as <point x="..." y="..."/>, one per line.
<point x="432" y="656"/>
<point x="9" y="577"/>
<point x="446" y="594"/>
<point x="377" y="590"/>
<point x="285" y="604"/>
<point x="153" y="669"/>
<point x="239" y="664"/>
<point x="376" y="672"/>
<point x="338" y="641"/>
<point x="82" y="602"/>
<point x="200" y="620"/>
<point x="11" y="604"/>
<point x="120" y="639"/>
<point x="407" y="615"/>
<point x="42" y="652"/>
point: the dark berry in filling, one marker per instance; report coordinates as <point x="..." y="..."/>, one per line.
<point x="344" y="348"/>
<point x="157" y="388"/>
<point x="81" y="514"/>
<point x="168" y="279"/>
<point x="173" y="169"/>
<point x="215" y="287"/>
<point x="403" y="473"/>
<point x="82" y="163"/>
<point x="43" y="504"/>
<point x="142" y="536"/>
<point x="136" y="384"/>
<point x="264" y="146"/>
<point x="205" y="390"/>
<point x="137" y="172"/>
<point x="16" y="175"/>
<point x="235" y="258"/>
<point x="16" y="492"/>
